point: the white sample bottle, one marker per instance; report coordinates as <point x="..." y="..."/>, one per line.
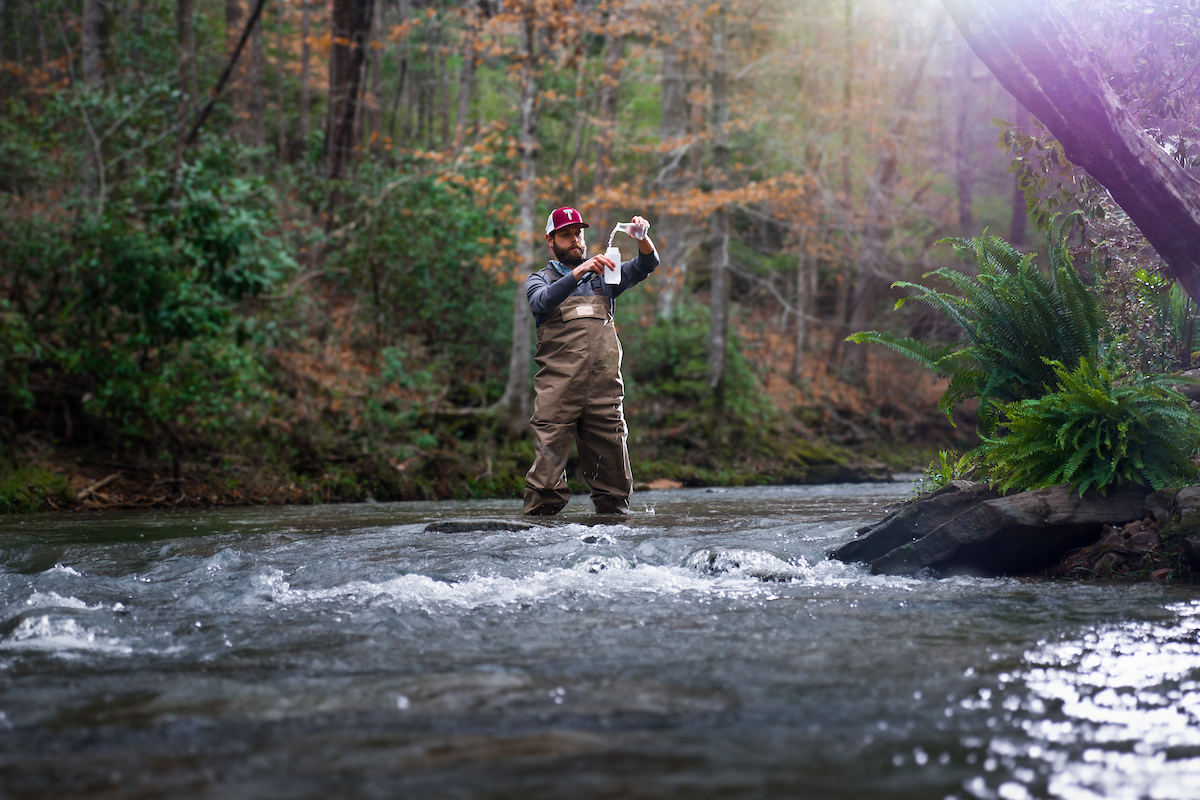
<point x="611" y="275"/>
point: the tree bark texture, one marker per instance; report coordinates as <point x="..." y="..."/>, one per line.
<point x="1035" y="53"/>
<point x="878" y="224"/>
<point x="517" y="394"/>
<point x="257" y="104"/>
<point x="185" y="29"/>
<point x="718" y="334"/>
<point x="305" y="96"/>
<point x="281" y="88"/>
<point x="806" y="293"/>
<point x="237" y="95"/>
<point x="962" y="139"/>
<point x="351" y="30"/>
<point x="673" y="234"/>
<point x="94" y="36"/>
<point x="374" y="109"/>
<point x="610" y="81"/>
<point x="844" y="280"/>
<point x="466" y="75"/>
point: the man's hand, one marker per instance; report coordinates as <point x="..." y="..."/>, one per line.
<point x="644" y="244"/>
<point x="594" y="264"/>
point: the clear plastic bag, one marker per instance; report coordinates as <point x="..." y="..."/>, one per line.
<point x="636" y="230"/>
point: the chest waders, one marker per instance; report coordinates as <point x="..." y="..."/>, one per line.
<point x="579" y="397"/>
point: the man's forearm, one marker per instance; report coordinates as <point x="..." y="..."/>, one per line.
<point x="545" y="297"/>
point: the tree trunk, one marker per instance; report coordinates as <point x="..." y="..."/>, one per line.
<point x="806" y="292"/>
<point x="443" y="85"/>
<point x="610" y="81"/>
<point x="374" y="109"/>
<point x="305" y="97"/>
<point x="718" y="334"/>
<point x="847" y="93"/>
<point x="95" y="35"/>
<point x="1020" y="214"/>
<point x="517" y="394"/>
<point x="962" y="141"/>
<point x="1035" y="52"/>
<point x="185" y="31"/>
<point x="841" y="296"/>
<point x="673" y="229"/>
<point x="281" y="76"/>
<point x="237" y="94"/>
<point x="466" y="75"/>
<point x="257" y="105"/>
<point x="351" y="29"/>
<point x="877" y="226"/>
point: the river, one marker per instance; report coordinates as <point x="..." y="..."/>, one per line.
<point x="702" y="648"/>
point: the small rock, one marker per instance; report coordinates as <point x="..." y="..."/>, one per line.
<point x="467" y="526"/>
<point x="1110" y="540"/>
<point x="1160" y="574"/>
<point x="1187" y="501"/>
<point x="1109" y="562"/>
<point x="1160" y="504"/>
<point x="1144" y="541"/>
<point x="1192" y="547"/>
<point x="1190" y="391"/>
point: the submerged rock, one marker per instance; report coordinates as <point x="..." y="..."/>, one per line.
<point x="746" y="562"/>
<point x="966" y="531"/>
<point x="472" y="526"/>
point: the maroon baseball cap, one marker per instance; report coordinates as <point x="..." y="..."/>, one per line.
<point x="562" y="217"/>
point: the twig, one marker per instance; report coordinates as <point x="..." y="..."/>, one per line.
<point x="97" y="486"/>
<point x="174" y="126"/>
<point x="204" y="112"/>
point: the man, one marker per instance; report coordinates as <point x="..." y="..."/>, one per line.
<point x="579" y="393"/>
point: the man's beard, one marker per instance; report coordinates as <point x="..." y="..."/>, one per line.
<point x="569" y="257"/>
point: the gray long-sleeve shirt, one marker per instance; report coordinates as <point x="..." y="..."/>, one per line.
<point x="546" y="292"/>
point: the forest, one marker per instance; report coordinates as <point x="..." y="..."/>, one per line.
<point x="273" y="251"/>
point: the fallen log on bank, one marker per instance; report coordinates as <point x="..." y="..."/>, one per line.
<point x="964" y="529"/>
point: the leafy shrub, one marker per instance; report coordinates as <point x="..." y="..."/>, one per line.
<point x="1094" y="431"/>
<point x="420" y="258"/>
<point x="139" y="308"/>
<point x="668" y="360"/>
<point x="1013" y="318"/>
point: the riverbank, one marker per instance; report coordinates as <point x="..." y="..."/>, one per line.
<point x="337" y="446"/>
<point x="65" y="479"/>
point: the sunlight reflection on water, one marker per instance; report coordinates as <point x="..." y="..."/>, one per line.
<point x="1112" y="714"/>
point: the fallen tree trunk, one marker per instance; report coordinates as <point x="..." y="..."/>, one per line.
<point x="963" y="532"/>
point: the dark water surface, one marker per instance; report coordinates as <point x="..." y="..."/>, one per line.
<point x="702" y="648"/>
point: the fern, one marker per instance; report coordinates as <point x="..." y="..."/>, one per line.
<point x="1095" y="432"/>
<point x="1013" y="318"/>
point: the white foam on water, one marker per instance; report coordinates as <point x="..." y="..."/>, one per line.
<point x="61" y="636"/>
<point x="56" y="600"/>
<point x="604" y="573"/>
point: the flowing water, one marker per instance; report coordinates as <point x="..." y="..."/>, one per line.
<point x="701" y="648"/>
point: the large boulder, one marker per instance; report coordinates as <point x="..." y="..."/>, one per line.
<point x="1015" y="535"/>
